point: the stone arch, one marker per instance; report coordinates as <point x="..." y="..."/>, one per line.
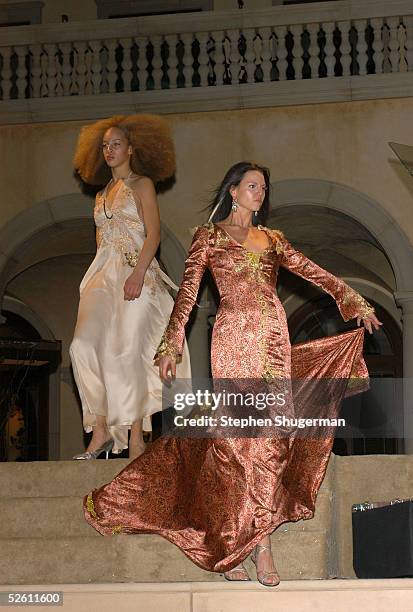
<point x="396" y="245"/>
<point x="65" y="208"/>
<point x="360" y="207"/>
<point x="20" y="308"/>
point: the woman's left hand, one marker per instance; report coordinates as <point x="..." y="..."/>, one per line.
<point x="133" y="286"/>
<point x="371" y="322"/>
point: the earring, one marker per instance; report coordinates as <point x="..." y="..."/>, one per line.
<point x="256" y="213"/>
<point x="234" y="206"/>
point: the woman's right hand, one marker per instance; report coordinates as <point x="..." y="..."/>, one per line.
<point x="167" y="369"/>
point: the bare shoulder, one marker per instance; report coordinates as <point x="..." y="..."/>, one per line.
<point x="142" y="185"/>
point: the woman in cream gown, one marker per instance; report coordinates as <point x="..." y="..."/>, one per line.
<point x="220" y="498"/>
<point x="124" y="302"/>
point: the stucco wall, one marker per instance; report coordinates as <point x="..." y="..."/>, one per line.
<point x="83" y="10"/>
<point x="342" y="143"/>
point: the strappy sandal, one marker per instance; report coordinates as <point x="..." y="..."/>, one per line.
<point x="262" y="577"/>
<point x="239" y="568"/>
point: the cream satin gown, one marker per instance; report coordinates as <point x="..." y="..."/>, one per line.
<point x="115" y="340"/>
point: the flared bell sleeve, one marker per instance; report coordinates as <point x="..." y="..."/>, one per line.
<point x="350" y="303"/>
<point x="172" y="341"/>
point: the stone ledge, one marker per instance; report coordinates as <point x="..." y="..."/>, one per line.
<point x="46" y="517"/>
<point x="302" y="596"/>
<point x="203" y="99"/>
<point x="142" y="558"/>
<point x="58" y="478"/>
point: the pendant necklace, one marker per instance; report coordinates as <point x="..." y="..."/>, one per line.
<point x="104" y="194"/>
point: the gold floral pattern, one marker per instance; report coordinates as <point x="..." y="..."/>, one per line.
<point x="210" y="227"/>
<point x="166" y="348"/>
<point x="131" y="258"/>
<point x="117" y="231"/>
<point x="252" y="264"/>
<point x="354" y="302"/>
<point x="276" y="238"/>
<point x="221" y="240"/>
<point x="90" y="506"/>
<point x="269" y="373"/>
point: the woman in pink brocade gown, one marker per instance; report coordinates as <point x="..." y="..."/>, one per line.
<point x="220" y="499"/>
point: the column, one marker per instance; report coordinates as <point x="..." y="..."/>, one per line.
<point x="405" y="300"/>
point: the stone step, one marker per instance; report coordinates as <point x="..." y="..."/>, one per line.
<point x="295" y="596"/>
<point x="141" y="558"/>
<point x="44" y="537"/>
<point x="47" y="517"/>
<point x="56" y="478"/>
<point x="74" y="478"/>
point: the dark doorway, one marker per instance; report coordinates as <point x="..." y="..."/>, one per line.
<point x="26" y="362"/>
<point x="377" y="415"/>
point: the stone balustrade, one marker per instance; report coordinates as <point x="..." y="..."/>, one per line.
<point x="328" y="40"/>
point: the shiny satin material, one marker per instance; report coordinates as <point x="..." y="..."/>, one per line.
<point x="216" y="498"/>
<point x="114" y="340"/>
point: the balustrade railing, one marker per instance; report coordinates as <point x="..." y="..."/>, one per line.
<point x="248" y="47"/>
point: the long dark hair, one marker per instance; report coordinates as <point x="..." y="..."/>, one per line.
<point x="233" y="178"/>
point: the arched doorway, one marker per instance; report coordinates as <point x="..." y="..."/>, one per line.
<point x="27" y="363"/>
<point x="375" y="417"/>
<point x="355" y="239"/>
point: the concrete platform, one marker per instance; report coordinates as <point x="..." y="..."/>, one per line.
<point x="294" y="596"/>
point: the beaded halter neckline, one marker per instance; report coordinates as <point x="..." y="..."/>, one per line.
<point x="105" y="192"/>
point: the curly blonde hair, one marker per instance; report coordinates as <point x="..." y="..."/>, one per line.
<point x="150" y="137"/>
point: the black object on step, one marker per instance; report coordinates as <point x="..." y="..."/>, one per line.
<point x="383" y="539"/>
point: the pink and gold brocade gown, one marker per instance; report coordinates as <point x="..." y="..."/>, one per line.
<point x="216" y="498"/>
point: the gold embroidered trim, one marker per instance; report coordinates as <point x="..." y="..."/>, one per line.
<point x="354" y="381"/>
<point x="269" y="373"/>
<point x="276" y="237"/>
<point x="116" y="233"/>
<point x="117" y="530"/>
<point x="363" y="308"/>
<point x="90" y="506"/>
<point x="221" y="240"/>
<point x="210" y="227"/>
<point x="166" y="349"/>
<point x="279" y="248"/>
<point x="252" y="261"/>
